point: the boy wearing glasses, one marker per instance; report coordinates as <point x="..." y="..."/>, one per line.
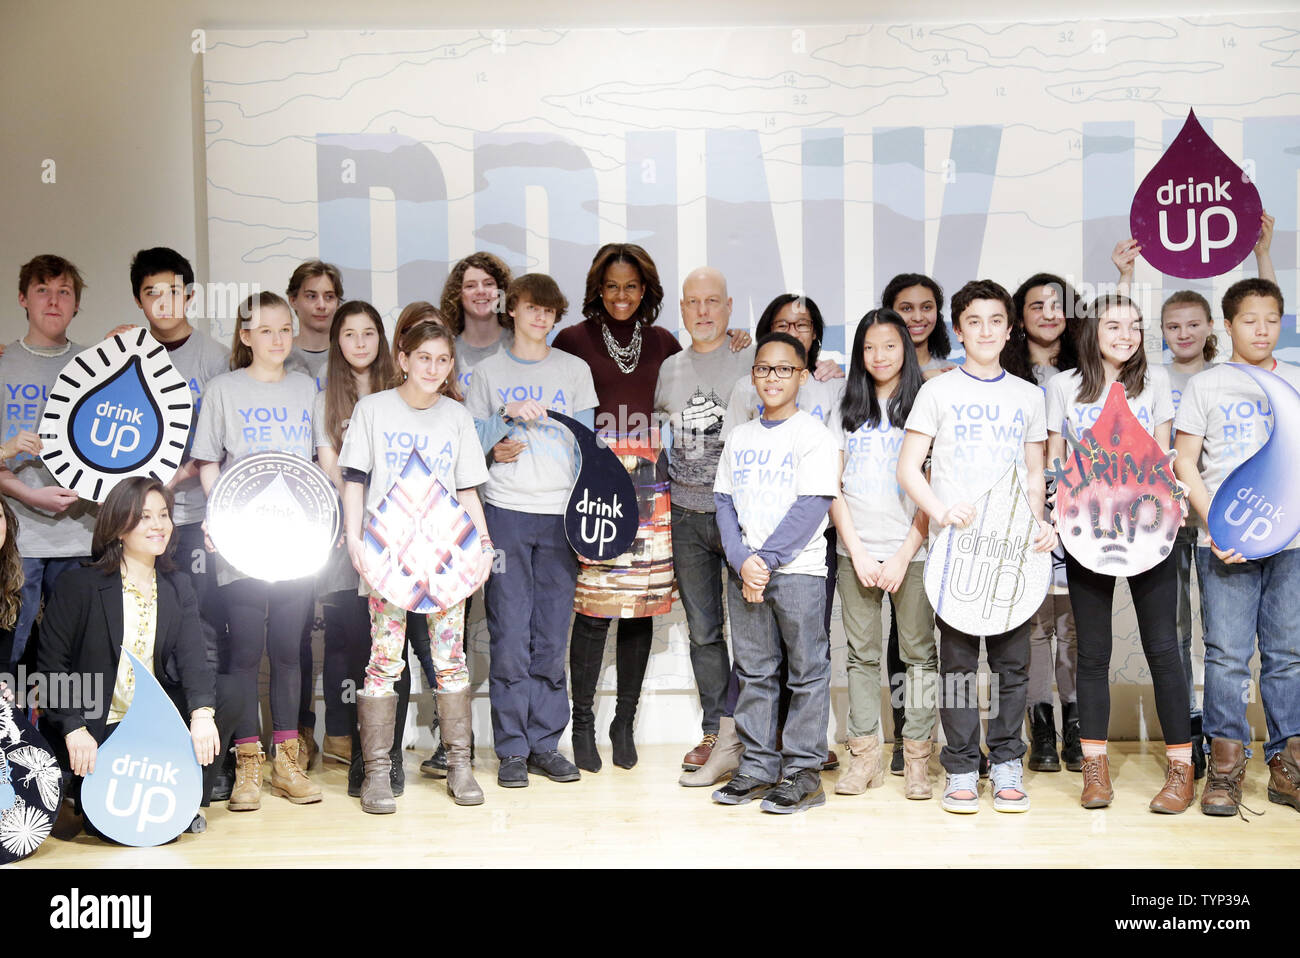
<point x="775" y="485"/>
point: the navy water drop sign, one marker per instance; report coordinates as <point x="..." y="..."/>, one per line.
<point x="602" y="515"/>
<point x="117" y="409"/>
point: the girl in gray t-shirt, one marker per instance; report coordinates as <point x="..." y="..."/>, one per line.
<point x="404" y="437"/>
<point x="260" y="407"/>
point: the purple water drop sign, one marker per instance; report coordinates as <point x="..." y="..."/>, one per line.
<point x="1196" y="213"/>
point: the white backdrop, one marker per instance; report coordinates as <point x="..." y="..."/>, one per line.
<point x="818" y="159"/>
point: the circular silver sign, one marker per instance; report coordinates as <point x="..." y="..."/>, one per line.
<point x="274" y="516"/>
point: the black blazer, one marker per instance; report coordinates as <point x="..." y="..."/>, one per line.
<point x="82" y="633"/>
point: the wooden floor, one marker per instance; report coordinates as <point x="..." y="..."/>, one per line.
<point x="642" y="817"/>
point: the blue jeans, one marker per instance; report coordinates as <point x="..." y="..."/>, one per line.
<point x="529" y="605"/>
<point x="1184" y="549"/>
<point x="789" y="618"/>
<point x="1243" y="602"/>
<point x="39" y="576"/>
<point x="699" y="560"/>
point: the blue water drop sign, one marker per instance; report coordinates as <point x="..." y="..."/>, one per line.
<point x="1257" y="508"/>
<point x="117" y="409"/>
<point x="147" y="784"/>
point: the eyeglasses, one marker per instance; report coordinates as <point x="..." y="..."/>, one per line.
<point x="762" y="371"/>
<point x="802" y="326"/>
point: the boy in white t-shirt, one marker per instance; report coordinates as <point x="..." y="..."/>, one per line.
<point x="1222" y="421"/>
<point x="966" y="461"/>
<point x="775" y="484"/>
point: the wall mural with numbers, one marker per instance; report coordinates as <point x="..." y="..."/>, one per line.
<point x="821" y="159"/>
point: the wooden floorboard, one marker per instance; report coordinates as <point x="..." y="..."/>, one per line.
<point x="642" y="817"/>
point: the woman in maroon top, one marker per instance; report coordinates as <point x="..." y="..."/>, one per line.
<point x="623" y="347"/>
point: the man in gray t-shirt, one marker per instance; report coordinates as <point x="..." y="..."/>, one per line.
<point x="692" y="392"/>
<point x="54" y="526"/>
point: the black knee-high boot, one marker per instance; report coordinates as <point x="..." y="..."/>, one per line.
<point x="586" y="654"/>
<point x="403" y="689"/>
<point x="631" y="656"/>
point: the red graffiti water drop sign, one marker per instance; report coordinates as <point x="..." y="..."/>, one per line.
<point x="1118" y="505"/>
<point x="1196" y="213"/>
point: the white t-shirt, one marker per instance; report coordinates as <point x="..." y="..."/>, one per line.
<point x="1151" y="407"/>
<point x="1228" y="409"/>
<point x="815" y="397"/>
<point x="979" y="428"/>
<point x="765" y="469"/>
<point x="882" y="513"/>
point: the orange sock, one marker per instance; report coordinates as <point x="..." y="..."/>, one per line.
<point x="1179" y="753"/>
<point x="1092" y="748"/>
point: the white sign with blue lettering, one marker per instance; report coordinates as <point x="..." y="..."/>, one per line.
<point x="117" y="409"/>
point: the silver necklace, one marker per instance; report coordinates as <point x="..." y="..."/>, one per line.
<point x="625" y="357"/>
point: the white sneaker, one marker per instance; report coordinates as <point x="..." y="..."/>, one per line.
<point x="963" y="782"/>
<point x="1007" y="777"/>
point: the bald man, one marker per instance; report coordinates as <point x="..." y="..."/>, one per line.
<point x="691" y="395"/>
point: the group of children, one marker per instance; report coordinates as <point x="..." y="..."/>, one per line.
<point x="800" y="478"/>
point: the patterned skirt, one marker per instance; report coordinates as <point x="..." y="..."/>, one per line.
<point x="640" y="582"/>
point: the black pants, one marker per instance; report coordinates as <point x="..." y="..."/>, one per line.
<point x="959" y="711"/>
<point x="1155" y="600"/>
<point x="266" y="615"/>
<point x="347" y="650"/>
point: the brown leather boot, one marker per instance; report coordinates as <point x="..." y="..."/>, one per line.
<point x="454" y="723"/>
<point x="1097" y="792"/>
<point x="375" y="715"/>
<point x="864" y="767"/>
<point x="307" y="749"/>
<point x="1227" y="767"/>
<point x="916" y="769"/>
<point x="723" y="759"/>
<point x="1179" y="789"/>
<point x="337" y="748"/>
<point x="1284" y="775"/>
<point x="288" y="780"/>
<point x="246" y="796"/>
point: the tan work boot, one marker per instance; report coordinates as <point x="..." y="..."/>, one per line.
<point x="1179" y="789"/>
<point x="288" y="780"/>
<point x="454" y="726"/>
<point x="337" y="748"/>
<point x="307" y="749"/>
<point x="246" y="796"/>
<point x="1097" y="792"/>
<point x="916" y="769"/>
<point x="1284" y="775"/>
<point x="864" y="767"/>
<point x="375" y="715"/>
<point x="722" y="761"/>
<point x="1223" y="775"/>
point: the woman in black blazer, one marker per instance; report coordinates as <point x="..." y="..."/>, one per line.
<point x="82" y="631"/>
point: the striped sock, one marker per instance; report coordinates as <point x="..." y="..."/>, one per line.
<point x="1092" y="748"/>
<point x="1179" y="753"/>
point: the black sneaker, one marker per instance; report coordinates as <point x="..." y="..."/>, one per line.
<point x="513" y="772"/>
<point x="554" y="766"/>
<point x="741" y="790"/>
<point x="796" y="793"/>
<point x="435" y="766"/>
